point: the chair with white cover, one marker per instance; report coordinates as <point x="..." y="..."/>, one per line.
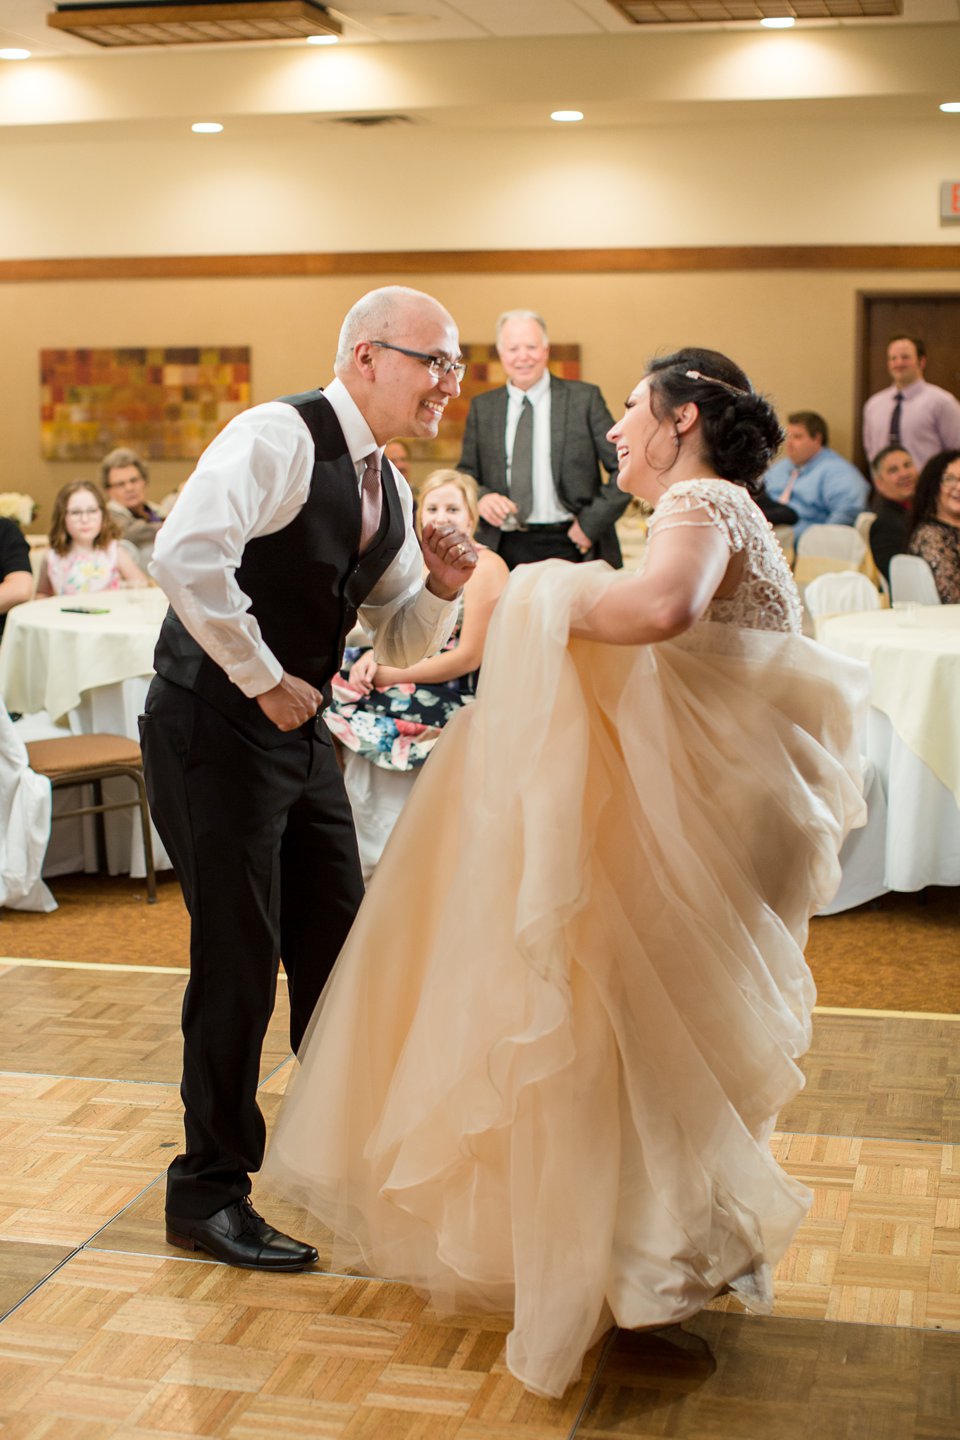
<point x="839" y="593"/>
<point x="864" y="524"/>
<point x="825" y="549"/>
<point x="24" y="825"/>
<point x="842" y="542"/>
<point x="911" y="579"/>
<point x="862" y="856"/>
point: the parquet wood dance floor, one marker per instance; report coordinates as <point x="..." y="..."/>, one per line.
<point x="109" y="1333"/>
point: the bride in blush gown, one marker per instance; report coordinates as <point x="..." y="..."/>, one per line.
<point x="544" y="1074"/>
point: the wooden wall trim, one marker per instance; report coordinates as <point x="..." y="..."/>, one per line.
<point x="491" y="262"/>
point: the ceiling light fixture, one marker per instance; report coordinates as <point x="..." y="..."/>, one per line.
<point x="192" y="22"/>
<point x="778" y="22"/>
<point x="322" y="39"/>
<point x="14" y="54"/>
<point x="950" y="107"/>
<point x="207" y="127"/>
<point x="566" y="117"/>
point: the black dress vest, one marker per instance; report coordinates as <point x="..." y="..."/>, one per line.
<point x="305" y="582"/>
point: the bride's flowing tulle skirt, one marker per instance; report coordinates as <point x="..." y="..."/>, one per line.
<point x="545" y="1071"/>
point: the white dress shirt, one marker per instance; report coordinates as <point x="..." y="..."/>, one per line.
<point x="546" y="508"/>
<point x="252" y="480"/>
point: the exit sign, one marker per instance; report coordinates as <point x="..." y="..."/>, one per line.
<point x="950" y="201"/>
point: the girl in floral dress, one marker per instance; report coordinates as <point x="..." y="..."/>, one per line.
<point x="85" y="555"/>
<point x="388" y="720"/>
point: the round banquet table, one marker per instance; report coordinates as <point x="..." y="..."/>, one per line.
<point x="84" y="662"/>
<point x="913" y="734"/>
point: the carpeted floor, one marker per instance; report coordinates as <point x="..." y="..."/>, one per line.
<point x="899" y="953"/>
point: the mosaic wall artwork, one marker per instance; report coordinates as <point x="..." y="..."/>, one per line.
<point x="167" y="404"/>
<point x="484" y="372"/>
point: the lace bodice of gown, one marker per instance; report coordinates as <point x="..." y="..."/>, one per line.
<point x="766" y="597"/>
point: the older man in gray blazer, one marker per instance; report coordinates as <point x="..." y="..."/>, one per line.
<point x="535" y="447"/>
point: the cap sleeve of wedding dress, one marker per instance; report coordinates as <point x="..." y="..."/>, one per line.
<point x="545" y="1071"/>
<point x="766" y="598"/>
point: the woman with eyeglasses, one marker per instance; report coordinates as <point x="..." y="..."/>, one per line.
<point x="935" y="524"/>
<point x="85" y="554"/>
<point x="545" y="1073"/>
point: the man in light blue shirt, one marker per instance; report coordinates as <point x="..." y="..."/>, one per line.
<point x="819" y="484"/>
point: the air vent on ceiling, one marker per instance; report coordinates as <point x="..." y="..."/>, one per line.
<point x="370" y="122"/>
<point x="202" y="22"/>
<point x="714" y="12"/>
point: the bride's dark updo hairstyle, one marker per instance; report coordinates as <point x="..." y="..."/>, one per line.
<point x="741" y="432"/>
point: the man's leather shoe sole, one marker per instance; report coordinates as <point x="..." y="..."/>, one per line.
<point x="239" y="1236"/>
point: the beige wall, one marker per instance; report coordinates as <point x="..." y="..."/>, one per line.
<point x="293" y="185"/>
<point x="709" y="158"/>
<point x="794" y="333"/>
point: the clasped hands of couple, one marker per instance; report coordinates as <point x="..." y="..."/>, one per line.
<point x="495" y="509"/>
<point x="450" y="557"/>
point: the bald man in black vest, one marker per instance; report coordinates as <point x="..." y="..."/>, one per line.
<point x="291" y="524"/>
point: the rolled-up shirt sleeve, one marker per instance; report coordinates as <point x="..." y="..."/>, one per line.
<point x="252" y="480"/>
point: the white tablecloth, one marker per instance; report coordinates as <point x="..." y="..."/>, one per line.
<point x="913" y="734"/>
<point x="88" y="673"/>
<point x="57" y="649"/>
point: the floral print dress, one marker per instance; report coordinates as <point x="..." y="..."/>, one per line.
<point x="396" y="728"/>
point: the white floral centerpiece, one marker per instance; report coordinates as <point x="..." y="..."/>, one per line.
<point x="17" y="507"/>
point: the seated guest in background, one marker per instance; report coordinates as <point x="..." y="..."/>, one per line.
<point x="387" y="719"/>
<point x="124" y="477"/>
<point x="816" y="482"/>
<point x="922" y="418"/>
<point x="935" y="536"/>
<point x="775" y="511"/>
<point x="894" y="482"/>
<point x="535" y="447"/>
<point x="85" y="554"/>
<point x="399" y="457"/>
<point x="16" y="577"/>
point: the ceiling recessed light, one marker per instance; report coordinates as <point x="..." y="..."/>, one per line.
<point x="950" y="107"/>
<point x="567" y="117"/>
<point x="207" y="127"/>
<point x="14" y="54"/>
<point x="778" y="22"/>
<point x="322" y="39"/>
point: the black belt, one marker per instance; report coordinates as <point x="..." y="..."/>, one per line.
<point x="561" y="527"/>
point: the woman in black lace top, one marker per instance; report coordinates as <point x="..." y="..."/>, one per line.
<point x="935" y="534"/>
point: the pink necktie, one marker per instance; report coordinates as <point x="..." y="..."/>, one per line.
<point x="788" y="488"/>
<point x="370" y="500"/>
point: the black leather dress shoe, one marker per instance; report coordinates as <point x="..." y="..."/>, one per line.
<point x="239" y="1236"/>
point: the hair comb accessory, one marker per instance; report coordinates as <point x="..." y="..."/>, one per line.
<point x="713" y="380"/>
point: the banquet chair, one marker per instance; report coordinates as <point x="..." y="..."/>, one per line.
<point x="88" y="760"/>
<point x="840" y="541"/>
<point x="825" y="549"/>
<point x="784" y="534"/>
<point x="839" y="593"/>
<point x="911" y="579"/>
<point x="863" y="525"/>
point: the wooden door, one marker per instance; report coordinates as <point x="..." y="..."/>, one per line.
<point x="934" y="317"/>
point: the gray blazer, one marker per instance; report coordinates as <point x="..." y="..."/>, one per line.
<point x="579" y="421"/>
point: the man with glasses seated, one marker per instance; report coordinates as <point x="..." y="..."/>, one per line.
<point x="535" y="447"/>
<point x="289" y="526"/>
